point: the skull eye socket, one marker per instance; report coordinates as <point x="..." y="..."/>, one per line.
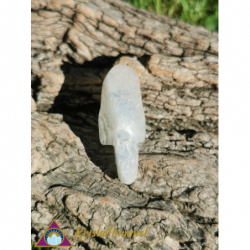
<point x="124" y="150"/>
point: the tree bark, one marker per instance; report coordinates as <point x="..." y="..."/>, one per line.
<point x="74" y="179"/>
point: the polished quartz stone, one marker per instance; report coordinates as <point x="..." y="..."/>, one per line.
<point x="122" y="119"/>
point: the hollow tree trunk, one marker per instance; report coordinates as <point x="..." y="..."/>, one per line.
<point x="74" y="179"/>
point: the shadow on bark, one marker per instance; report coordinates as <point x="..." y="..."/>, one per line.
<point x="78" y="102"/>
<point x="80" y="110"/>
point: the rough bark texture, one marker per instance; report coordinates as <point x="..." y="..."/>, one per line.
<point x="74" y="179"/>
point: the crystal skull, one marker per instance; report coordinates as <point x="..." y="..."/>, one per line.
<point x="122" y="120"/>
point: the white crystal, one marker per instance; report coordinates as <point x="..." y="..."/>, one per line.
<point x="122" y="119"/>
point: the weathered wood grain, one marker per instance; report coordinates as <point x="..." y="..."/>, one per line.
<point x="74" y="179"/>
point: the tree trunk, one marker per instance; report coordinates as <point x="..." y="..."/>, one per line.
<point x="74" y="178"/>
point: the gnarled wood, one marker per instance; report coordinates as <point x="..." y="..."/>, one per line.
<point x="74" y="179"/>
